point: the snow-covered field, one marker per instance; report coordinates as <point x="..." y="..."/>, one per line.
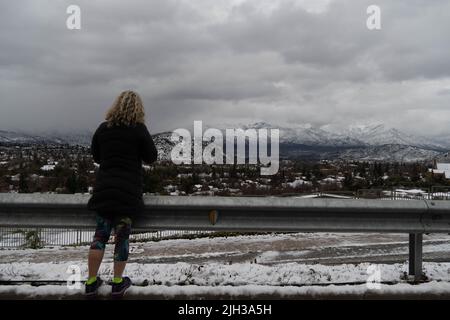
<point x="283" y="265"/>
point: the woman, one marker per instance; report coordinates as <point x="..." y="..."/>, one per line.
<point x="119" y="145"/>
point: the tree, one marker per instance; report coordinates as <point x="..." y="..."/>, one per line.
<point x="82" y="184"/>
<point x="187" y="185"/>
<point x="72" y="183"/>
<point x="152" y="182"/>
<point x="23" y="184"/>
<point x="348" y="181"/>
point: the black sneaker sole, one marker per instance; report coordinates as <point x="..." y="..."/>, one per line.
<point x="91" y="296"/>
<point x="94" y="293"/>
<point x="121" y="292"/>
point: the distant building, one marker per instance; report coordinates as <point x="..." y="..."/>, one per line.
<point x="442" y="169"/>
<point x="445" y="168"/>
<point x="48" y="167"/>
<point x="441" y="165"/>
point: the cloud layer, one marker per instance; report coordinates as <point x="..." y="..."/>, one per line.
<point x="226" y="61"/>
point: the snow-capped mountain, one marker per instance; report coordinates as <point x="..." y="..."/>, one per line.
<point x="387" y="152"/>
<point x="11" y="137"/>
<point x="351" y="136"/>
<point x="163" y="144"/>
<point x="379" y="134"/>
<point x="373" y="141"/>
<point x="304" y="134"/>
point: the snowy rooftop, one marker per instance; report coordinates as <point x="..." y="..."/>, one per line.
<point x="445" y="167"/>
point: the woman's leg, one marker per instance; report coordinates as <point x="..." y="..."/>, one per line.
<point x="97" y="250"/>
<point x="94" y="261"/>
<point x="121" y="249"/>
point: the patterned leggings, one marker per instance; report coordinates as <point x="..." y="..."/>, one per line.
<point x="122" y="227"/>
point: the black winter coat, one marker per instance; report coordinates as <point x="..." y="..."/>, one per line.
<point x="120" y="151"/>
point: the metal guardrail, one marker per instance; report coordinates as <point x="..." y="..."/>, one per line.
<point x="244" y="214"/>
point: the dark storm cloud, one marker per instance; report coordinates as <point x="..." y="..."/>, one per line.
<point x="226" y="60"/>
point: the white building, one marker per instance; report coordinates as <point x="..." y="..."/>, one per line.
<point x="444" y="168"/>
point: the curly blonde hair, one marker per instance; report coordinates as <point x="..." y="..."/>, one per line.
<point x="127" y="110"/>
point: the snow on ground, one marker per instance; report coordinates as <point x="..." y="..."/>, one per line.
<point x="431" y="289"/>
<point x="214" y="274"/>
<point x="281" y="264"/>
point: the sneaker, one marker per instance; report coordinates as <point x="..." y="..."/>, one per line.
<point x="118" y="289"/>
<point x="92" y="289"/>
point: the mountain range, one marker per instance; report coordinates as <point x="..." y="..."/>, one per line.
<point x="372" y="142"/>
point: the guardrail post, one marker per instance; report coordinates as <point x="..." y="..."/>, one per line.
<point x="415" y="255"/>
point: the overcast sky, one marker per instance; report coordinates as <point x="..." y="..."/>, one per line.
<point x="226" y="61"/>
